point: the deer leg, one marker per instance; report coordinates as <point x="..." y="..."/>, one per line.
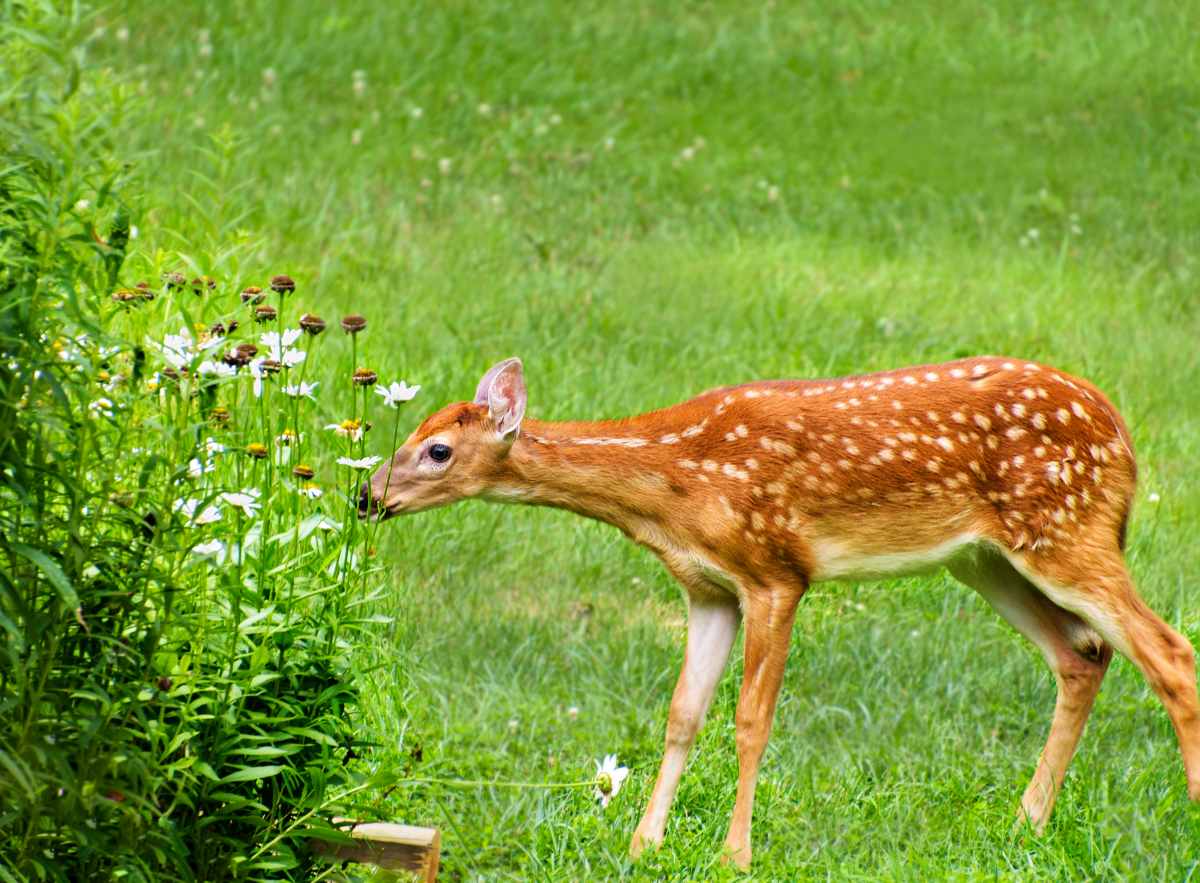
<point x="1104" y="596"/>
<point x="1076" y="655"/>
<point x="768" y="615"/>
<point x="712" y="626"/>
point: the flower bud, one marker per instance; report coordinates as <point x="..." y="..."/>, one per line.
<point x="283" y="285"/>
<point x="252" y="294"/>
<point x="353" y="324"/>
<point x="264" y="313"/>
<point x="365" y="377"/>
<point x="303" y="471"/>
<point x="257" y="450"/>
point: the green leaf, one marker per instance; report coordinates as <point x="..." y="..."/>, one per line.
<point x="253" y="772"/>
<point x="53" y="571"/>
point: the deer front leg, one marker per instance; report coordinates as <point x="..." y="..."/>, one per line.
<point x="769" y="614"/>
<point x="712" y="626"/>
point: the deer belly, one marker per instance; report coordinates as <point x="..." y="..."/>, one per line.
<point x="840" y="558"/>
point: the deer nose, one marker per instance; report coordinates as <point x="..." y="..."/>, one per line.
<point x="364" y="501"/>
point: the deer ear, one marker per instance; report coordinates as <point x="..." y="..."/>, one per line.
<point x="502" y="389"/>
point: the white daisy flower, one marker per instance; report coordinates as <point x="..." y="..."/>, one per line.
<point x="280" y="347"/>
<point x="302" y="389"/>
<point x="256" y="372"/>
<point x="212" y="446"/>
<point x="247" y="501"/>
<point x="213" y="550"/>
<point x="351" y="429"/>
<point x="101" y="407"/>
<point x="398" y="392"/>
<point x="217" y="369"/>
<point x="362" y="463"/>
<point x="609" y="778"/>
<point x="189" y="507"/>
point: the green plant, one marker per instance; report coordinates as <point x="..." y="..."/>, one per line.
<point x="181" y="600"/>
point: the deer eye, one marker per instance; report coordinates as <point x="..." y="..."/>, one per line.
<point x="439" y="453"/>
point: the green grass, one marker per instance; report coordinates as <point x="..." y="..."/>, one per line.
<point x="914" y="147"/>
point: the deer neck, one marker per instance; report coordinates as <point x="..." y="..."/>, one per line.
<point x="611" y="470"/>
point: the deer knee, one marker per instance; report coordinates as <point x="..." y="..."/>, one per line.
<point x="682" y="725"/>
<point x="751" y="734"/>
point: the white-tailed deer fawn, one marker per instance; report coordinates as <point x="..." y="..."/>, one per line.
<point x="1015" y="476"/>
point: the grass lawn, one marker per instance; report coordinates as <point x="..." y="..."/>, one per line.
<point x="643" y="200"/>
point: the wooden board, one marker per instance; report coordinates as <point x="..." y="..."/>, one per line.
<point x="389" y="846"/>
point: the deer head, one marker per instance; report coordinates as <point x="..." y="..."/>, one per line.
<point x="452" y="455"/>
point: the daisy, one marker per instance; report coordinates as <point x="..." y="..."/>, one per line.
<point x="609" y="778"/>
<point x="189" y="508"/>
<point x="398" y="392"/>
<point x="362" y="463"/>
<point x="351" y="429"/>
<point x="302" y="389"/>
<point x="280" y="346"/>
<point x="213" y="550"/>
<point x="196" y="469"/>
<point x="247" y="501"/>
<point x="257" y="373"/>
<point x="101" y="408"/>
<point x="218" y="369"/>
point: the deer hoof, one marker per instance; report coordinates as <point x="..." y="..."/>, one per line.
<point x="642" y="842"/>
<point x="736" y="856"/>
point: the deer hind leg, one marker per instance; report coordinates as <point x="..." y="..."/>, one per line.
<point x="1077" y="656"/>
<point x="769" y="613"/>
<point x="1092" y="582"/>
<point x="712" y="626"/>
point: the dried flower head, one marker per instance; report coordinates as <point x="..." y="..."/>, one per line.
<point x="217" y="330"/>
<point x="143" y="288"/>
<point x="304" y="471"/>
<point x="240" y="355"/>
<point x="270" y="366"/>
<point x="257" y="450"/>
<point x="283" y="285"/>
<point x="365" y="377"/>
<point x="264" y="313"/>
<point x="126" y="295"/>
<point x="252" y="294"/>
<point x="353" y="324"/>
<point x="311" y="324"/>
<point x="203" y="284"/>
<point x="220" y="416"/>
<point x="174" y="281"/>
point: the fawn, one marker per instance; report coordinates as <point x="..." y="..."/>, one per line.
<point x="1015" y="476"/>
